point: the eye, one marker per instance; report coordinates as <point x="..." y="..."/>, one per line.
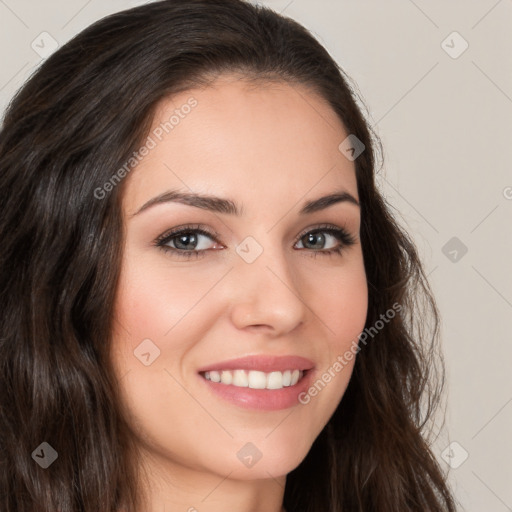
<point x="191" y="241"/>
<point x="187" y="241"/>
<point x="318" y="239"/>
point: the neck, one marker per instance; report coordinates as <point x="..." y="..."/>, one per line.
<point x="173" y="489"/>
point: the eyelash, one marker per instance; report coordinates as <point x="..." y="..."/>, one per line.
<point x="345" y="239"/>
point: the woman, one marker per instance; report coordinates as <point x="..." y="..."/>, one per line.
<point x="206" y="304"/>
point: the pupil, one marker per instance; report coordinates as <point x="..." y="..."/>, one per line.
<point x="182" y="240"/>
<point x="320" y="236"/>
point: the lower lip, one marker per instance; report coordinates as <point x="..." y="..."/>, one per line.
<point x="261" y="399"/>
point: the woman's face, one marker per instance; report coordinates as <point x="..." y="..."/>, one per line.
<point x="258" y="284"/>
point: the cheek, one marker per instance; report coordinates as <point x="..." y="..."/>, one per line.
<point x="152" y="300"/>
<point x="340" y="300"/>
<point x="150" y="305"/>
<point x="151" y="313"/>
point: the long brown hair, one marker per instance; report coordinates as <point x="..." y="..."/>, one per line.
<point x="66" y="132"/>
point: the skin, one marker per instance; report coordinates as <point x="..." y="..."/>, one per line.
<point x="270" y="148"/>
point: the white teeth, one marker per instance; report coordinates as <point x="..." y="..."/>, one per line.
<point x="240" y="379"/>
<point x="226" y="377"/>
<point x="275" y="380"/>
<point x="255" y="379"/>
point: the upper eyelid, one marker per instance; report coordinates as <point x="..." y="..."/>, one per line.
<point x="171" y="233"/>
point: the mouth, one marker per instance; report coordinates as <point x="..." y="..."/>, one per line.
<point x="259" y="382"/>
<point x="256" y="379"/>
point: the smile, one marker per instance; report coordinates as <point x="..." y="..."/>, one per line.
<point x="263" y="382"/>
<point x="255" y="379"/>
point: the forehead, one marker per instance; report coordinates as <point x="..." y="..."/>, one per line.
<point x="249" y="140"/>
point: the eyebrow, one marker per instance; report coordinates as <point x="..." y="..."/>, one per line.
<point x="226" y="206"/>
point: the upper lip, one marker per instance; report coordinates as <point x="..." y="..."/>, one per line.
<point x="264" y="363"/>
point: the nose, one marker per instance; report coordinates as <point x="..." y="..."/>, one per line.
<point x="266" y="294"/>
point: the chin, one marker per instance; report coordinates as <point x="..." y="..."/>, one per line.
<point x="264" y="470"/>
<point x="274" y="461"/>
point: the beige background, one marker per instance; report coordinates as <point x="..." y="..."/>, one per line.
<point x="445" y="122"/>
